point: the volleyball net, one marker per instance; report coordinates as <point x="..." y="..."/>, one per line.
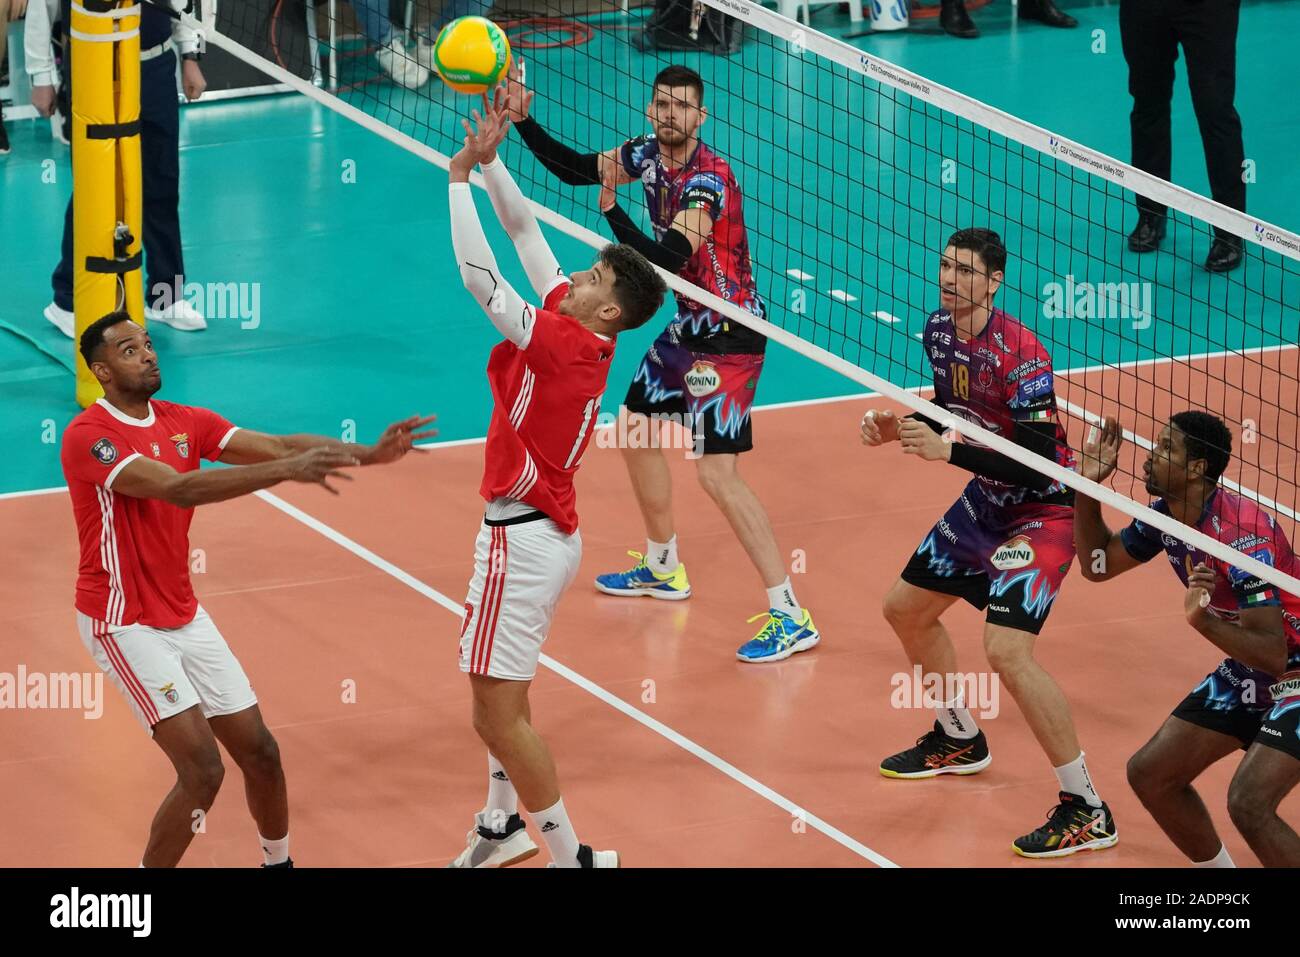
<point x="854" y="173"/>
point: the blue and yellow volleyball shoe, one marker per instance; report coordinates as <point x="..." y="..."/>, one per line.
<point x="780" y="637"/>
<point x="641" y="581"/>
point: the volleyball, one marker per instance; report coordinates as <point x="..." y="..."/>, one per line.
<point x="471" y="54"/>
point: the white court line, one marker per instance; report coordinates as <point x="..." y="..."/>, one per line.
<point x="885" y="317"/>
<point x="34" y="491"/>
<point x="658" y="727"/>
<point x="799" y="274"/>
<point x="843" y="296"/>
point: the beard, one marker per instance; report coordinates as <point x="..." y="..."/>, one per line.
<point x="671" y="136"/>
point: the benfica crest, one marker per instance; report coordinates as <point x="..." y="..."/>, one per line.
<point x="182" y="440"/>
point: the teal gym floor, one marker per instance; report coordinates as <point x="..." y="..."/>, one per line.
<point x="363" y="319"/>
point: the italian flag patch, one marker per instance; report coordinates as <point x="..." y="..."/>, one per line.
<point x="1042" y="415"/>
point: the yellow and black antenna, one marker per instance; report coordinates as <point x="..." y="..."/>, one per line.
<point x="107" y="200"/>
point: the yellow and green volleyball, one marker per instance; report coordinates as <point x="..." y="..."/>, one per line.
<point x="471" y="54"/>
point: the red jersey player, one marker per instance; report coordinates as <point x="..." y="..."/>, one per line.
<point x="132" y="466"/>
<point x="547" y="379"/>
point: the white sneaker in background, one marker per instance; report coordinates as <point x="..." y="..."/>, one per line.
<point x="62" y="319"/>
<point x="179" y="315"/>
<point x="402" y="68"/>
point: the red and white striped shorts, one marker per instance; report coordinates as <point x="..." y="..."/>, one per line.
<point x="163" y="671"/>
<point x="520" y="572"/>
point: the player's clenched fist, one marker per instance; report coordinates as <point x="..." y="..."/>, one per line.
<point x="879" y="427"/>
<point x="1200" y="586"/>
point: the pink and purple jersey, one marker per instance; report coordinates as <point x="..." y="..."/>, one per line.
<point x="721" y="263"/>
<point x="1240" y="524"/>
<point x="996" y="379"/>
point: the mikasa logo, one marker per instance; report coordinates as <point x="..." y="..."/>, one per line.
<point x="703" y="378"/>
<point x="1014" y="554"/>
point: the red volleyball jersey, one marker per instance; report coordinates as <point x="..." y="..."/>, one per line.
<point x="135" y="552"/>
<point x="545" y="402"/>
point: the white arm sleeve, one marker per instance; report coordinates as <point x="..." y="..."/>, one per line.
<point x="184" y="36"/>
<point x="38" y="54"/>
<point x="512" y="210"/>
<point x="478" y="270"/>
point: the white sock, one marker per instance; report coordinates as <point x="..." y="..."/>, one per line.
<point x="502" y="801"/>
<point x="782" y="598"/>
<point x="558" y="834"/>
<point x="956" y="720"/>
<point x="661" y="557"/>
<point x="1219" y="860"/>
<point x="274" y="852"/>
<point x="1074" y="778"/>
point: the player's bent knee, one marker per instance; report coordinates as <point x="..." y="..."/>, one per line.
<point x="202" y="778"/>
<point x="1145" y="774"/>
<point x="717" y="474"/>
<point x="1248" y="809"/>
<point x="907" y="606"/>
<point x="1009" y="652"/>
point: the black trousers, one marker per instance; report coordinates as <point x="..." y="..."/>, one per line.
<point x="1151" y="32"/>
<point x="160" y="163"/>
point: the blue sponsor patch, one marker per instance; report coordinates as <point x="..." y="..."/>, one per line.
<point x="1033" y="389"/>
<point x="1239" y="575"/>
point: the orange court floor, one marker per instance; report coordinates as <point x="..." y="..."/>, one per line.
<point x="345" y="613"/>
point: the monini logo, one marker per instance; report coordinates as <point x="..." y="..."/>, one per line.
<point x="1017" y="553"/>
<point x="702" y="378"/>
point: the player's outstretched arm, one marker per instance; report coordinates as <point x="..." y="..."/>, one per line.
<point x="147" y="478"/>
<point x="478" y="267"/>
<point x="508" y="201"/>
<point x="564" y="162"/>
<point x="246" y="447"/>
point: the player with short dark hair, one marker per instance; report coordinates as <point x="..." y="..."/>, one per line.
<point x="1240" y="705"/>
<point x="1005" y="546"/>
<point x="703" y="370"/>
<point x="547" y="380"/>
<point x="132" y="466"/>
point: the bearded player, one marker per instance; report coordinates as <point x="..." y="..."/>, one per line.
<point x="132" y="467"/>
<point x="1240" y="705"/>
<point x="547" y="379"/>
<point x="704" y="368"/>
<point x="1005" y="546"/>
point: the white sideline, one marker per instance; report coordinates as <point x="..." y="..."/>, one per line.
<point x="658" y="727"/>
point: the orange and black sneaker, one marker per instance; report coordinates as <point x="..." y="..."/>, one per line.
<point x="1073" y="825"/>
<point x="936" y="752"/>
